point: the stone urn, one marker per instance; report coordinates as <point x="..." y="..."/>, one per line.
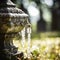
<point x="12" y="21"/>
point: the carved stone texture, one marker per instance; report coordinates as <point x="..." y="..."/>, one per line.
<point x="12" y="21"/>
<point x="13" y="18"/>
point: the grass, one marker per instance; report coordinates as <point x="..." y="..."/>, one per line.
<point x="45" y="34"/>
<point x="41" y="49"/>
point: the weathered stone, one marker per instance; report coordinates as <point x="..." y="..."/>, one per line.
<point x="12" y="21"/>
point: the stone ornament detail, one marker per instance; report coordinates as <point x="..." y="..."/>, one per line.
<point x="12" y="21"/>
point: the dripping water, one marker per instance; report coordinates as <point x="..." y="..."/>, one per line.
<point x="28" y="30"/>
<point x="23" y="39"/>
<point x="29" y="40"/>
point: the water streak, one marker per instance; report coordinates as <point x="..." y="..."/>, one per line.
<point x="29" y="40"/>
<point x="23" y="38"/>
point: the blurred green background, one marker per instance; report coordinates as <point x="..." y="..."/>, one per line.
<point x="44" y="16"/>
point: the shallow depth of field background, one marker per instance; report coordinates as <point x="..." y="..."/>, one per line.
<point x="44" y="16"/>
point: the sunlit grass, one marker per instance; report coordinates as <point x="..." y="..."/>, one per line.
<point x="46" y="49"/>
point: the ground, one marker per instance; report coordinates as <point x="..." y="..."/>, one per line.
<point x="41" y="49"/>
